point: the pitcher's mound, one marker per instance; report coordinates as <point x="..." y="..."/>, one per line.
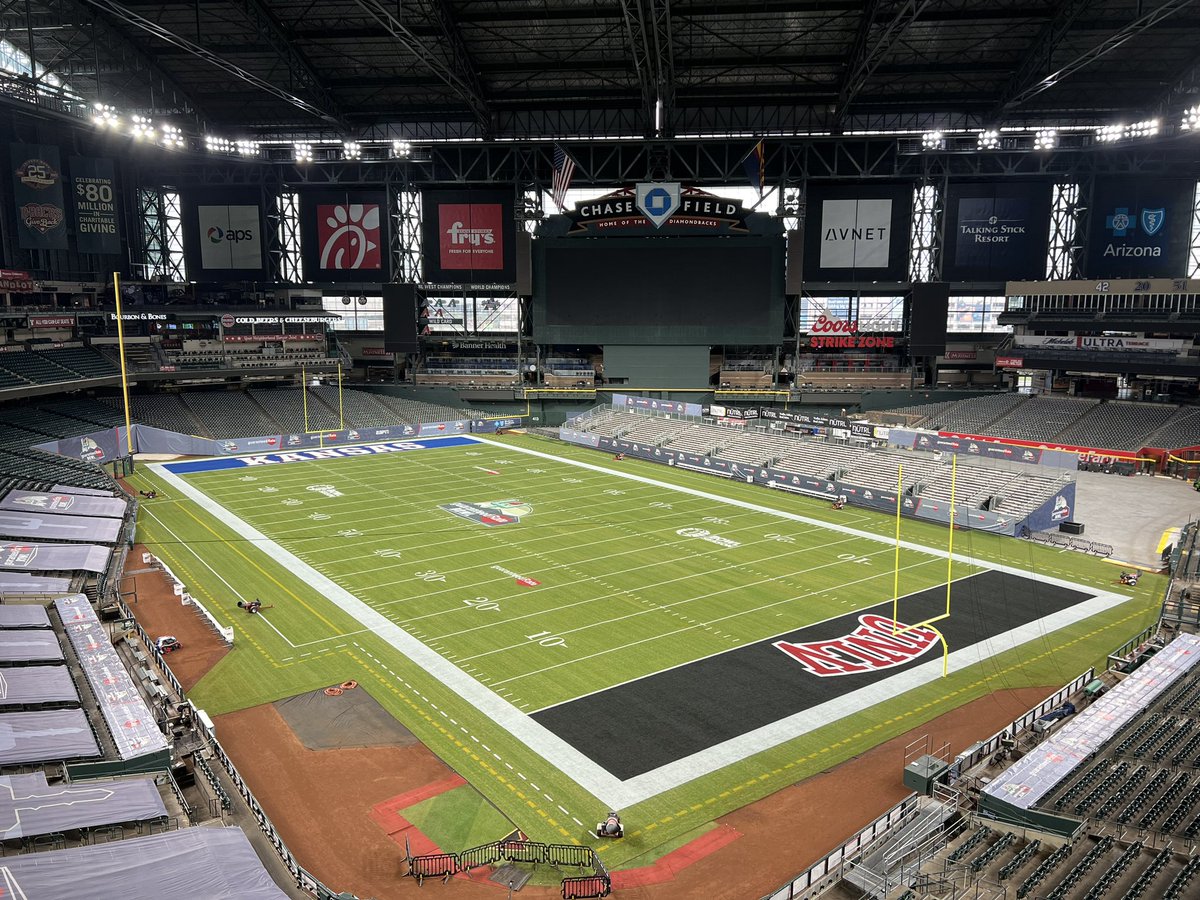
<point x="351" y="718"/>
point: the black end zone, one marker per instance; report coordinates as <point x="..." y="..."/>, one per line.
<point x="636" y="727"/>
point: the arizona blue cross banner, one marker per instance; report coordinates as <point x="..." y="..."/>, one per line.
<point x="1140" y="227"/>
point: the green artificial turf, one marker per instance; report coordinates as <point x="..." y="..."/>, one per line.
<point x="620" y="594"/>
<point x="458" y="819"/>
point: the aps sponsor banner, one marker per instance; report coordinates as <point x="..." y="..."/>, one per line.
<point x="97" y="216"/>
<point x="38" y="196"/>
<point x="345" y="236"/>
<point x="1140" y="227"/>
<point x="857" y="231"/>
<point x="469" y="236"/>
<point x="222" y="233"/>
<point x="230" y="237"/>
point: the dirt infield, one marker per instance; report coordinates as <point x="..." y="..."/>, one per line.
<point x="149" y="595"/>
<point x="321" y="801"/>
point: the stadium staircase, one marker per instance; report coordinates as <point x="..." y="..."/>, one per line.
<point x="899" y="856"/>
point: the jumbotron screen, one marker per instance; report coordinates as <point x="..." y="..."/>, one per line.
<point x="659" y="291"/>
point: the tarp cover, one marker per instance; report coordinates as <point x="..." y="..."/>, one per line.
<point x="67" y="504"/>
<point x="36" y="684"/>
<point x="23" y="615"/>
<point x="38" y="557"/>
<point x="29" y="646"/>
<point x="130" y="721"/>
<point x="83" y="491"/>
<point x="20" y="583"/>
<point x="29" y="806"/>
<point x="57" y="527"/>
<point x="188" y="864"/>
<point x="52" y="735"/>
<point x="1039" y="771"/>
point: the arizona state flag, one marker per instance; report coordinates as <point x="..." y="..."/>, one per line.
<point x="755" y="165"/>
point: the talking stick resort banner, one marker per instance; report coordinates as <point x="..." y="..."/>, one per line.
<point x="38" y="193"/>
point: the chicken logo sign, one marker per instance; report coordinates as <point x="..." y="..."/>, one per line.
<point x="870" y="647"/>
<point x="349" y="236"/>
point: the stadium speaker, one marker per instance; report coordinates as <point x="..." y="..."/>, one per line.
<point x="795" y="262"/>
<point x="524" y="263"/>
<point x="400" y="318"/>
<point x="929" y="306"/>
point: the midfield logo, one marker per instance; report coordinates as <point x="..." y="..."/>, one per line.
<point x="870" y="647"/>
<point x="491" y="512"/>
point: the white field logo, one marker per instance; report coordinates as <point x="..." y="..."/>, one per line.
<point x="705" y="535"/>
<point x="523" y="580"/>
<point x="870" y="647"/>
<point x="327" y="490"/>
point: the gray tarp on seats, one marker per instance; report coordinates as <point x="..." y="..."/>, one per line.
<point x="23" y="615"/>
<point x="20" y="583"/>
<point x="76" y="489"/>
<point x="130" y="721"/>
<point x="189" y="864"/>
<point x="27" y="737"/>
<point x="29" y="646"/>
<point x="64" y="503"/>
<point x="29" y="806"/>
<point x="38" y="526"/>
<point x="38" y="557"/>
<point x="36" y="684"/>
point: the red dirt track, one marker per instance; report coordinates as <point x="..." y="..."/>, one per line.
<point x="322" y="802"/>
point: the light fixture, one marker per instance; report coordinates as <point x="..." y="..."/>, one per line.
<point x="1191" y="118"/>
<point x="246" y="148"/>
<point x="933" y="140"/>
<point x="172" y="138"/>
<point x="401" y="149"/>
<point x="142" y="127"/>
<point x="351" y="150"/>
<point x="217" y="144"/>
<point x="302" y="150"/>
<point x="105" y="116"/>
<point x="988" y="140"/>
<point x="1045" y="139"/>
<point x="1106" y="134"/>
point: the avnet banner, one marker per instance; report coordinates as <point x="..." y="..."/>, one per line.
<point x="1140" y="227"/>
<point x="38" y="195"/>
<point x="996" y="232"/>
<point x="857" y="231"/>
<point x="223" y="233"/>
<point x="468" y="237"/>
<point x="344" y="235"/>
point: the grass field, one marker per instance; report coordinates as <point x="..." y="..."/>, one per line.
<point x="383" y="568"/>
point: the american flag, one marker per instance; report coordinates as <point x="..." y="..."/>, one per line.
<point x="564" y="168"/>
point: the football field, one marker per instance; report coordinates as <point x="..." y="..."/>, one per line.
<point x="629" y="634"/>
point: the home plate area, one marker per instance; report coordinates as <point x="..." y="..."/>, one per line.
<point x="697" y="706"/>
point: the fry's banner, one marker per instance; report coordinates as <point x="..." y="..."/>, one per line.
<point x="468" y="237"/>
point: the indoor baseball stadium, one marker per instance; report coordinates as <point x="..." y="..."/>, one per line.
<point x="880" y="318"/>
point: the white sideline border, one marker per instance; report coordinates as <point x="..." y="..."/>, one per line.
<point x="606" y="787"/>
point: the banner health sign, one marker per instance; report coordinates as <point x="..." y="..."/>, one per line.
<point x="1140" y="227"/>
<point x="996" y="232"/>
<point x="344" y="235"/>
<point x="97" y="220"/>
<point x="223" y="232"/>
<point x="38" y="195"/>
<point x="857" y="232"/>
<point x="468" y="237"/>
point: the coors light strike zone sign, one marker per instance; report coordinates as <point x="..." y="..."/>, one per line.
<point x="832" y="333"/>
